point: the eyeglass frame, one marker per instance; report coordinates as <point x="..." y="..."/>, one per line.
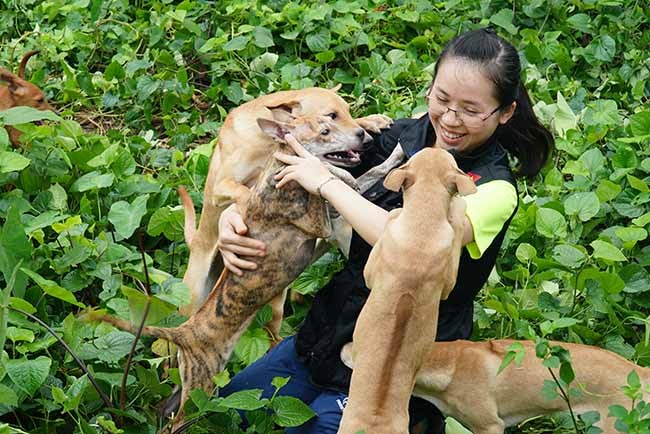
<point x="456" y="111"/>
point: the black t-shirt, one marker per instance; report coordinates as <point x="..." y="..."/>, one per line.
<point x="330" y="322"/>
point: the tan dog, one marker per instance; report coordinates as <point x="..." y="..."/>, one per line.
<point x="20" y="92"/>
<point x="461" y="379"/>
<point x="239" y="156"/>
<point x="411" y="267"/>
<point x="288" y="220"/>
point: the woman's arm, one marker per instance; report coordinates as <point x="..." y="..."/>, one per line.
<point x="367" y="219"/>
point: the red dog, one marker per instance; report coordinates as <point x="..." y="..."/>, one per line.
<point x="20" y="92"/>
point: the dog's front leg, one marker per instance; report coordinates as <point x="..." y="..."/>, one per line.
<point x="456" y="218"/>
<point x="374" y="123"/>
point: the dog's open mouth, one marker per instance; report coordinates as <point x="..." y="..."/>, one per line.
<point x="343" y="158"/>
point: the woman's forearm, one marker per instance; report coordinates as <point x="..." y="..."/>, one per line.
<point x="366" y="218"/>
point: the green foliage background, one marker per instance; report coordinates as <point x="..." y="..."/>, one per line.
<point x="141" y="88"/>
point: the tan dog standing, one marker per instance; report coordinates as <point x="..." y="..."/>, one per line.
<point x="240" y="154"/>
<point x="20" y="92"/>
<point x="288" y="220"/>
<point x="460" y="378"/>
<point x="411" y="268"/>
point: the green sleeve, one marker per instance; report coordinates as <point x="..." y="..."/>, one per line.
<point x="487" y="210"/>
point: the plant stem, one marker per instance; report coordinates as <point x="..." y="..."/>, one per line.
<point x="82" y="365"/>
<point x="565" y="397"/>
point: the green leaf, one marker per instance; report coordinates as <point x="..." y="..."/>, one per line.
<point x="584" y="205"/>
<point x="604" y="48"/>
<point x="607" y="190"/>
<point x="8" y="396"/>
<point x="550" y="223"/>
<point x="503" y="19"/>
<point x="640" y="123"/>
<point x="263" y="37"/>
<point x="607" y="251"/>
<point x="319" y="41"/>
<point x="126" y="217"/>
<point x="290" y="411"/>
<point x="569" y="256"/>
<point x="12" y="162"/>
<point x="564" y="118"/>
<point x="106" y="158"/>
<point x="237" y="43"/>
<point x="28" y="375"/>
<point x="23" y="115"/>
<point x="52" y="288"/>
<point x="525" y="252"/>
<point x="158" y="309"/>
<point x="452" y="426"/>
<point x="602" y="112"/>
<point x="168" y="221"/>
<point x="18" y="334"/>
<point x="280" y="382"/>
<point x="637" y="184"/>
<point x="92" y="181"/>
<point x="252" y="345"/>
<point x="244" y="400"/>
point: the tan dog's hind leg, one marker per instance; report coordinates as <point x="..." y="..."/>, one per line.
<point x="456" y="218"/>
<point x="277" y="307"/>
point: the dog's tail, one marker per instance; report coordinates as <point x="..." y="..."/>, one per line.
<point x="23" y="63"/>
<point x="190" y="215"/>
<point x="170" y="334"/>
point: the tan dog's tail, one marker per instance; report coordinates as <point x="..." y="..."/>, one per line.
<point x="23" y="63"/>
<point x="190" y="215"/>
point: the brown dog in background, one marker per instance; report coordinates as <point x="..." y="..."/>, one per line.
<point x="238" y="158"/>
<point x="411" y="268"/>
<point x="20" y="92"/>
<point x="461" y="378"/>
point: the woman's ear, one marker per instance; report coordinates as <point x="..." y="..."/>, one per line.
<point x="507" y="112"/>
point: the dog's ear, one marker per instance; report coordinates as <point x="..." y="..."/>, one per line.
<point x="14" y="83"/>
<point x="282" y="115"/>
<point x="336" y="88"/>
<point x="397" y="178"/>
<point x="460" y="182"/>
<point x="275" y="129"/>
<point x="8" y="77"/>
<point x="285" y="112"/>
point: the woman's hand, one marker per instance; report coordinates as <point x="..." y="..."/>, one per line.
<point x="304" y="168"/>
<point x="232" y="242"/>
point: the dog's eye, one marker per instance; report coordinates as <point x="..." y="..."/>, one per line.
<point x="325" y="132"/>
<point x="332" y="115"/>
<point x="40" y="100"/>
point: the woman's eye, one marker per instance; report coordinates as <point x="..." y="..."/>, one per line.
<point x="324" y="132"/>
<point x="441" y="99"/>
<point x="472" y="111"/>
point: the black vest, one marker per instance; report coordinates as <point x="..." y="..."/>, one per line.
<point x="330" y="322"/>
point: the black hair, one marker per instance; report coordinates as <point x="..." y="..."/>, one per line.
<point x="523" y="135"/>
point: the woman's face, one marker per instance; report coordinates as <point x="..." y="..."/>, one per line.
<point x="462" y="106"/>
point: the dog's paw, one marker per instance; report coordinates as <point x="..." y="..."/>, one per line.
<point x="374" y="123"/>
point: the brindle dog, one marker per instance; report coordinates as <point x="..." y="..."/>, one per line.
<point x="288" y="220"/>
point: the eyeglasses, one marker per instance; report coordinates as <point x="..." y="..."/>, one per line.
<point x="469" y="118"/>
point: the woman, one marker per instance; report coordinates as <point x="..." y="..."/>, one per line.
<point x="479" y="110"/>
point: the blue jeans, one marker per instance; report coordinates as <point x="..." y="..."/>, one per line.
<point x="282" y="361"/>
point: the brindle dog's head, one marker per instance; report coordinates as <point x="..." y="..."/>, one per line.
<point x="322" y="136"/>
<point x="342" y="139"/>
